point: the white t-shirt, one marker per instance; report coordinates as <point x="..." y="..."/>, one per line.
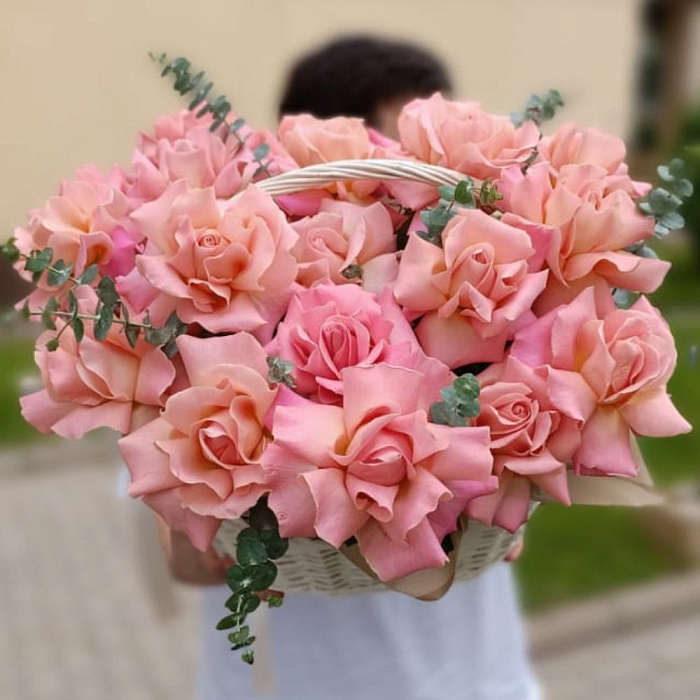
<point x="377" y="646"/>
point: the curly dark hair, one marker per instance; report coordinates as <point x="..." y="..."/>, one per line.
<point x="351" y="76"/>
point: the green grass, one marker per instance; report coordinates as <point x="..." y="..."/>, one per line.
<point x="16" y="360"/>
<point x="572" y="553"/>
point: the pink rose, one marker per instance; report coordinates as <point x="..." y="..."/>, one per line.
<point x="344" y="234"/>
<point x="531" y="441"/>
<point x="376" y="470"/>
<point x="471" y="291"/>
<point x="329" y="328"/>
<point x="570" y="146"/>
<point x="614" y="364"/>
<point x="183" y="147"/>
<point x="228" y="271"/>
<point x="199" y="462"/>
<point x="464" y="137"/>
<point x="84" y="224"/>
<point x="589" y="222"/>
<point x="95" y="384"/>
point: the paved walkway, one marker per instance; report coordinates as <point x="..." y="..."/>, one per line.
<point x="80" y="621"/>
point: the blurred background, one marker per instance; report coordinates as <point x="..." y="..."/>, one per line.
<point x="76" y="608"/>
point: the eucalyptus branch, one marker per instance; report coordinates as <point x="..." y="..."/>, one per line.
<point x="252" y="575"/>
<point x="539" y="108"/>
<point x="664" y="203"/>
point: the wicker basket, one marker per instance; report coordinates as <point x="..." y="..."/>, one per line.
<point x="311" y="565"/>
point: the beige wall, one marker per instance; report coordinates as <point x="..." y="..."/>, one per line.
<point x="78" y="85"/>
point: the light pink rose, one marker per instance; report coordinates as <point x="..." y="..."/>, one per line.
<point x="376" y="470"/>
<point x="228" y="270"/>
<point x="589" y="221"/>
<point x="84" y="224"/>
<point x="199" y="462"/>
<point x="472" y="291"/>
<point x="614" y="364"/>
<point x="95" y="384"/>
<point x="569" y="145"/>
<point x="183" y="147"/>
<point x="329" y="328"/>
<point x="464" y="137"/>
<point x="531" y="440"/>
<point x="344" y="234"/>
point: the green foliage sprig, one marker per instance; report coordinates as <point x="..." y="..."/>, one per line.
<point x="539" y="108"/>
<point x="279" y="371"/>
<point x="252" y="574"/>
<point x="459" y="402"/>
<point x="185" y="81"/>
<point x="109" y="309"/>
<point x="664" y="203"/>
<point x="465" y="193"/>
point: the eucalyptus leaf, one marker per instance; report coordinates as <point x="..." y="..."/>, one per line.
<point x="250" y="552"/>
<point x="78" y="328"/>
<point x="263" y="576"/>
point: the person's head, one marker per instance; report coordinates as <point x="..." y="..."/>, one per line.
<point x="362" y="76"/>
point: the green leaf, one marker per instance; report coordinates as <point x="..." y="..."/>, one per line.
<point x="103" y="323"/>
<point x="280" y="371"/>
<point x="672" y="220"/>
<point x="52" y="345"/>
<point x="352" y="272"/>
<point x="261" y="151"/>
<point x="263" y="575"/>
<point x="10" y="251"/>
<point x="107" y="292"/>
<point x="665" y="173"/>
<point x="26" y="312"/>
<point x="78" y="328"/>
<point x="249" y="533"/>
<point x="39" y="260"/>
<point x="275" y="545"/>
<point x="447" y="192"/>
<point x="663" y="202"/>
<point x="89" y="275"/>
<point x="647" y="252"/>
<point x="467" y="387"/>
<point x="72" y="303"/>
<point x="464" y="193"/>
<point x="677" y="167"/>
<point x="240" y="636"/>
<point x="226" y="623"/>
<point x="47" y="313"/>
<point x="237" y="125"/>
<point x="445" y="414"/>
<point x="274" y="601"/>
<point x="59" y="273"/>
<point x="132" y="333"/>
<point x="248" y="657"/>
<point x="682" y="188"/>
<point x="250" y="552"/>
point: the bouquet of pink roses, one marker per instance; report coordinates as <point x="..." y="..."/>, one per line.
<point x="326" y="334"/>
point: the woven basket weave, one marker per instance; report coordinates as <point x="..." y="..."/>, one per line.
<point x="311" y="565"/>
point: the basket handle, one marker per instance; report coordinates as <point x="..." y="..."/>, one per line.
<point x="314" y="176"/>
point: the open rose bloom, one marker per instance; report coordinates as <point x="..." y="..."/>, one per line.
<point x="304" y="350"/>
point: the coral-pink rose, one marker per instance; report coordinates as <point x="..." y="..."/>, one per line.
<point x="615" y="363"/>
<point x="463" y="136"/>
<point x="589" y="222"/>
<point x="183" y="147"/>
<point x="80" y="224"/>
<point x="342" y="235"/>
<point x="471" y="291"/>
<point x="199" y="462"/>
<point x="228" y="271"/>
<point x="569" y="145"/>
<point x="376" y="470"/>
<point x="328" y="328"/>
<point x="531" y="439"/>
<point x="312" y="141"/>
<point x="95" y="384"/>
